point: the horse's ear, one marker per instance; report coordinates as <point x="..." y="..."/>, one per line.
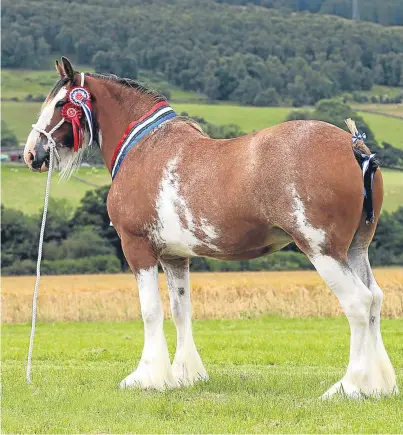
<point x="59" y="69"/>
<point x="68" y="68"/>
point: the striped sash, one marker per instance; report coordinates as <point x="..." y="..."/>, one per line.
<point x="157" y="115"/>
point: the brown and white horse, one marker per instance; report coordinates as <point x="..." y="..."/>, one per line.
<point x="178" y="193"/>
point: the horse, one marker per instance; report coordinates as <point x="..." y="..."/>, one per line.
<point x="176" y="193"/>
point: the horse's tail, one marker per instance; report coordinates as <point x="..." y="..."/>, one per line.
<point x="368" y="164"/>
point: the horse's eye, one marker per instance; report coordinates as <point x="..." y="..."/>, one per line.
<point x="60" y="103"/>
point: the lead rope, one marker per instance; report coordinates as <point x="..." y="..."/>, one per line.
<point x="52" y="153"/>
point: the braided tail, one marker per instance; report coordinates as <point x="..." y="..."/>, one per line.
<point x="368" y="165"/>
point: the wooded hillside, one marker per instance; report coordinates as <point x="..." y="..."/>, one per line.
<point x="249" y="54"/>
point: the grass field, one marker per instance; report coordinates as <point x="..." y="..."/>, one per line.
<point x="23" y="190"/>
<point x="378" y="90"/>
<point x="386" y="129"/>
<point x="393" y="185"/>
<point x="248" y="118"/>
<point x="266" y="376"/>
<point x="396" y="110"/>
<point x="214" y="296"/>
<point x="18" y="83"/>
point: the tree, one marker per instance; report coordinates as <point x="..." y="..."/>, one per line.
<point x="8" y="137"/>
<point x="268" y="97"/>
<point x="92" y="212"/>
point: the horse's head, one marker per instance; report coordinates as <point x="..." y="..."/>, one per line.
<point x="65" y="123"/>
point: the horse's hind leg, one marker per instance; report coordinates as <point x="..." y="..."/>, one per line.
<point x="356" y="300"/>
<point x="328" y="251"/>
<point x="358" y="260"/>
<point x="187" y="365"/>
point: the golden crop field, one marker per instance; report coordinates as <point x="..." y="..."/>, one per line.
<point x="214" y="295"/>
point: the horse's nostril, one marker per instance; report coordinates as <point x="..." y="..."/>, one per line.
<point x="30" y="156"/>
<point x="36" y="164"/>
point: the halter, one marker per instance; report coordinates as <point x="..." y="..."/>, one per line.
<point x="79" y="101"/>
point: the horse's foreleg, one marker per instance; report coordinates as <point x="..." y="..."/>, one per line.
<point x="187" y="365"/>
<point x="154" y="369"/>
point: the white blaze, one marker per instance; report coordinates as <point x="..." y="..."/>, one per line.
<point x="43" y="122"/>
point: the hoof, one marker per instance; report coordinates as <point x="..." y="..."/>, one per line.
<point x="345" y="389"/>
<point x="186" y="378"/>
<point x="190" y="370"/>
<point x="149" y="378"/>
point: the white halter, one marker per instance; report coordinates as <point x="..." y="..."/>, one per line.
<point x="48" y="134"/>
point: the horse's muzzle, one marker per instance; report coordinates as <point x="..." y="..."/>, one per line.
<point x="38" y="160"/>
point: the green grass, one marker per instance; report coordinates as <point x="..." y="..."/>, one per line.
<point x="393" y="190"/>
<point x="20" y="116"/>
<point x="24" y="190"/>
<point x="395" y="110"/>
<point x="386" y="129"/>
<point x="18" y="83"/>
<point x="377" y="90"/>
<point x="248" y="118"/>
<point x="266" y="377"/>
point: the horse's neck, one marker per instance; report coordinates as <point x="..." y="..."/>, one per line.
<point x="116" y="108"/>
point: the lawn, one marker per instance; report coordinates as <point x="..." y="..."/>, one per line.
<point x="396" y="110"/>
<point x="386" y="128"/>
<point x="20" y="116"/>
<point x="266" y="377"/>
<point x="248" y="118"/>
<point x="19" y="83"/>
<point x="393" y="193"/>
<point x="24" y="190"/>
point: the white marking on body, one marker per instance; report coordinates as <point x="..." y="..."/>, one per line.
<point x="44" y="120"/>
<point x="314" y="236"/>
<point x="208" y="229"/>
<point x="154" y="369"/>
<point x="179" y="235"/>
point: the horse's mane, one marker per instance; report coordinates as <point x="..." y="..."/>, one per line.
<point x="129" y="83"/>
<point x="125" y="82"/>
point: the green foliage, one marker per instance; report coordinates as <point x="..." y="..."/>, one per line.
<point x="217" y="131"/>
<point x="283" y="260"/>
<point x="19" y="236"/>
<point x="8" y="137"/>
<point x="94" y="264"/>
<point x="251" y="55"/>
<point x="386" y="12"/>
<point x="388" y="240"/>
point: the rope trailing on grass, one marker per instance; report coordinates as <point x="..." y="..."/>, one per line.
<point x="53" y="151"/>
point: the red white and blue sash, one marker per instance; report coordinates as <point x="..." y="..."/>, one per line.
<point x="158" y="114"/>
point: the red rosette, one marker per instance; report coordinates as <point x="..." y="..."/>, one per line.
<point x="71" y="111"/>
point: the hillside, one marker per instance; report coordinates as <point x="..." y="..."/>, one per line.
<point x="385" y="12"/>
<point x="252" y="55"/>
